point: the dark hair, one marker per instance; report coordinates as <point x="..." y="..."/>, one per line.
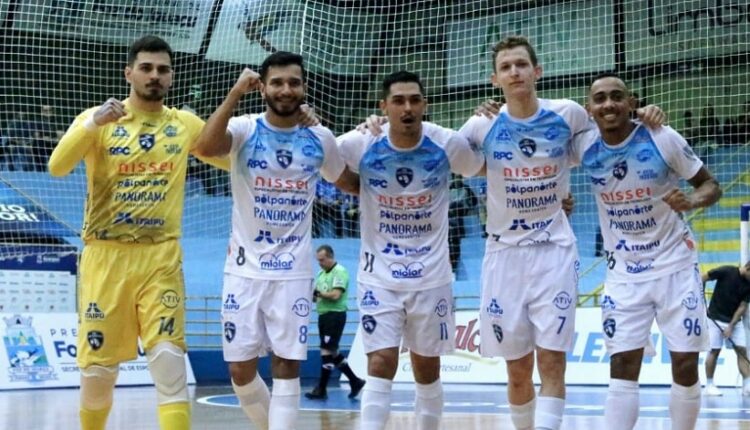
<point x="281" y="58"/>
<point x="149" y="43"/>
<point x="400" y="76"/>
<point x="608" y="75"/>
<point x="328" y="250"/>
<point x="511" y="42"/>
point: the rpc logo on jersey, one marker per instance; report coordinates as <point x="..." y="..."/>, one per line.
<point x="284" y="157"/>
<point x="147" y="141"/>
<point x="494" y="309"/>
<point x="229" y="331"/>
<point x="620" y="170"/>
<point x="369" y="300"/>
<point x="230" y="304"/>
<point x="404" y="176"/>
<point x="527" y="147"/>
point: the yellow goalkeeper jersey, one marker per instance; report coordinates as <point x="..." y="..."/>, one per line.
<point x="135" y="170"/>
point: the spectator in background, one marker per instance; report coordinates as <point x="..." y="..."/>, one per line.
<point x="743" y="124"/>
<point x="350" y="212"/>
<point x="709" y="126"/>
<point x="45" y="135"/>
<point x="20" y="134"/>
<point x="327" y="209"/>
<point x="689" y="131"/>
<point x="4" y="150"/>
<point x="462" y="202"/>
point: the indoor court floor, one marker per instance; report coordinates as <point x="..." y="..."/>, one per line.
<point x="468" y="407"/>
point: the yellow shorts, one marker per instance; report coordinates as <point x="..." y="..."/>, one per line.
<point x="127" y="291"/>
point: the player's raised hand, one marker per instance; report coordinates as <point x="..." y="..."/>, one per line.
<point x="110" y="111"/>
<point x="307" y="116"/>
<point x="489" y="109"/>
<point x="248" y="81"/>
<point x="652" y="116"/>
<point x="678" y="201"/>
<point x="373" y="123"/>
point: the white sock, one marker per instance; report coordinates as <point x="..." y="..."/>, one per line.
<point x="684" y="405"/>
<point x="709" y="381"/>
<point x="621" y="407"/>
<point x="376" y="403"/>
<point x="429" y="405"/>
<point x="549" y="413"/>
<point x="522" y="416"/>
<point x="284" y="404"/>
<point x="254" y="399"/>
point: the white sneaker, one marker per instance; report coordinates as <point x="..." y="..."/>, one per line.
<point x="712" y="390"/>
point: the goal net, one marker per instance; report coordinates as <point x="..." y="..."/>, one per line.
<point x="60" y="57"/>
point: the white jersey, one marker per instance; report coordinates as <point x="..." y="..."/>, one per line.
<point x="644" y="238"/>
<point x="274" y="174"/>
<point x="404" y="198"/>
<point x="527" y="172"/>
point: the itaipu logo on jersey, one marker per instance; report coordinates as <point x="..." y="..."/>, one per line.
<point x="284" y="157"/>
<point x="404" y="176"/>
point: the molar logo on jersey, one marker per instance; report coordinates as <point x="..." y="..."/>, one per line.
<point x="301" y="307"/>
<point x="644" y="155"/>
<point x="284" y="157"/>
<point x="562" y="300"/>
<point x="639" y="266"/>
<point x="264" y="235"/>
<point x="527" y="147"/>
<point x="441" y="309"/>
<point x="620" y="170"/>
<point x="282" y="261"/>
<point x="230" y="304"/>
<point x="494" y="309"/>
<point x="542" y="236"/>
<point x="551" y="133"/>
<point x="610" y="327"/>
<point x="369" y="324"/>
<point x="691" y="301"/>
<point x="608" y="303"/>
<point x="146" y="141"/>
<point x="230" y="330"/>
<point x="257" y="164"/>
<point x="407" y="271"/>
<point x="369" y="300"/>
<point x="404" y="176"/>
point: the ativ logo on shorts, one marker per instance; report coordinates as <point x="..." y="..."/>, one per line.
<point x="282" y="261"/>
<point x="301" y="307"/>
<point x="407" y="271"/>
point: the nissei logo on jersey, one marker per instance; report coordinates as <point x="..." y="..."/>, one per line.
<point x="278" y="183"/>
<point x="257" y="164"/>
<point x="378" y="183"/>
<point x="119" y="150"/>
<point x="144" y="167"/>
<point x="282" y="261"/>
<point x="407" y="271"/>
<point x="530" y="172"/>
<point x="626" y="195"/>
<point x="405" y="201"/>
<point x="502" y="155"/>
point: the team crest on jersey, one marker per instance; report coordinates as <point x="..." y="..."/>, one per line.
<point x="404" y="176"/>
<point x="610" y="327"/>
<point x="229" y="331"/>
<point x="498" y="332"/>
<point x="284" y="157"/>
<point x="146" y="141"/>
<point x="620" y="170"/>
<point x="95" y="339"/>
<point x="369" y="324"/>
<point x="528" y="147"/>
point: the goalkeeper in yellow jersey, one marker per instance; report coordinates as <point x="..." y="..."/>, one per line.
<point x="131" y="282"/>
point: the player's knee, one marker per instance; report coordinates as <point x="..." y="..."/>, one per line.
<point x="166" y="362"/>
<point x="383" y="363"/>
<point x="97" y="385"/>
<point x="685" y="368"/>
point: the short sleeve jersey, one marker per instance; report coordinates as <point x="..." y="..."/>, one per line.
<point x="404" y="200"/>
<point x="136" y="175"/>
<point x="730" y="291"/>
<point x="644" y="237"/>
<point x="527" y="172"/>
<point x="326" y="282"/>
<point x="274" y="175"/>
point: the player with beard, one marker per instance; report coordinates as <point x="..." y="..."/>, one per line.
<point x="268" y="275"/>
<point x="131" y="282"/>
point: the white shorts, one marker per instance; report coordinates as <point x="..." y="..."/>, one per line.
<point x="716" y="334"/>
<point x="258" y="315"/>
<point x="425" y="319"/>
<point x="675" y="300"/>
<point x="529" y="297"/>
